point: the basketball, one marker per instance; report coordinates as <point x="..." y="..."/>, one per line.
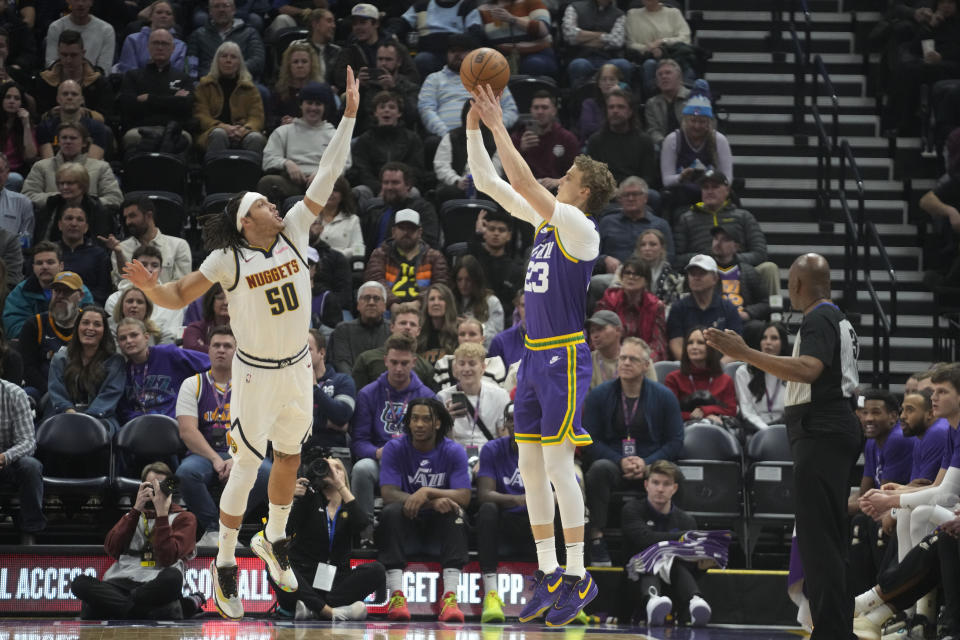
<point x="485" y="66"/>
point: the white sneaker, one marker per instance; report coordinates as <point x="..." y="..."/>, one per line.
<point x="302" y="612"/>
<point x="699" y="611"/>
<point x="225" y="591"/>
<point x="658" y="607"/>
<point x="355" y="611"/>
<point x="276" y="556"/>
<point x="210" y="539"/>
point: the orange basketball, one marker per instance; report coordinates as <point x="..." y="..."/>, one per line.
<point x="485" y="66"/>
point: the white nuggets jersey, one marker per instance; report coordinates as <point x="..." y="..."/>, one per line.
<point x="268" y="290"/>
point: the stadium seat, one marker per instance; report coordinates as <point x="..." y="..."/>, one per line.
<point x="75" y="451"/>
<point x="664" y="367"/>
<point x="523" y="87"/>
<point x="711" y="465"/>
<point x="145" y="439"/>
<point x="171" y="212"/>
<point x="154" y="171"/>
<point x="458" y="219"/>
<point x="231" y="171"/>
<point x="769" y="481"/>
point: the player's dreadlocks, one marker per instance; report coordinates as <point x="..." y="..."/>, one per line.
<point x="220" y="229"/>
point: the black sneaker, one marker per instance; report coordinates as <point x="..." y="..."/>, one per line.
<point x="599" y="556"/>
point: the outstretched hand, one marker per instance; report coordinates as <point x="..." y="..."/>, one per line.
<point x="487" y="106"/>
<point x="137" y="274"/>
<point x="352" y="91"/>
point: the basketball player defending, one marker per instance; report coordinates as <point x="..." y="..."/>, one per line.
<point x="260" y="259"/>
<point x="554" y="373"/>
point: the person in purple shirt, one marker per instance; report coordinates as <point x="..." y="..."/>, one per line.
<point x="425" y="483"/>
<point x="381" y="407"/>
<point x="154" y="374"/>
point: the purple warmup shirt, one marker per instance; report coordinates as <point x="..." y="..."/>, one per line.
<point x="445" y="467"/>
<point x="890" y="463"/>
<point x="152" y="387"/>
<point x="928" y="453"/>
<point x="499" y="461"/>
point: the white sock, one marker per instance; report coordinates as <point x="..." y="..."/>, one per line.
<point x="394" y="578"/>
<point x="489" y="583"/>
<point x="227" y="542"/>
<point x="879" y="614"/>
<point x="547" y="555"/>
<point x="277" y="515"/>
<point x="575" y="560"/>
<point x="866" y="601"/>
<point x="451" y="580"/>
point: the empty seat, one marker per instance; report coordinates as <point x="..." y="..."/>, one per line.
<point x="171" y="212"/>
<point x="458" y="219"/>
<point x="75" y="451"/>
<point x="524" y="87"/>
<point x="154" y="171"/>
<point x="145" y="439"/>
<point x="231" y="170"/>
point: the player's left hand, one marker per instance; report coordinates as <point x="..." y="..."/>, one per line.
<point x="727" y="342"/>
<point x="352" y="91"/>
<point x="137" y="274"/>
<point x="488" y="106"/>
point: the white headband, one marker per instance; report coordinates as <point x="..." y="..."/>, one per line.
<point x="245" y="203"/>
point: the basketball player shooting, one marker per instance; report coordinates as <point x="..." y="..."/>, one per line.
<point x="555" y="368"/>
<point x="259" y="259"/>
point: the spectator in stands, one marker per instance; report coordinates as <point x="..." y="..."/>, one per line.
<point x="649" y="521"/>
<point x="664" y="111"/>
<point x="548" y="148"/>
<point x="942" y="203"/>
<point x="622" y="144"/>
<point x="425" y="484"/>
<point x="397" y="182"/>
<point x="740" y="281"/>
<point x="97" y="34"/>
<point x="606" y="332"/>
<point x="643" y="314"/>
<point x="17" y="466"/>
<point x="656" y="32"/>
<point x="593" y="108"/>
<point x="633" y="423"/>
<point x="81" y="256"/>
<point x="16" y="210"/>
<point x="133" y="303"/>
<point x="227" y="104"/>
<point x="323" y="27"/>
<point x="469" y="331"/>
<point x="475" y="300"/>
<point x="154" y="374"/>
<point x="135" y="53"/>
<point x="69" y="108"/>
<point x="299" y="67"/>
<point x="339" y="594"/>
<point x="204" y="45"/>
<point x="334" y="398"/>
<point x="72" y="64"/>
<point x="151" y="544"/>
<point x="370" y="364"/>
<point x="73" y="183"/>
<point x="694" y="148"/>
<point x="215" y="314"/>
<point x="438" y="322"/>
<point x="594" y="31"/>
<point x="381" y="406"/>
<point x="338" y="224"/>
<point x="436" y="26"/>
<point x="88" y="376"/>
<point x="368" y="331"/>
<point x="139" y="217"/>
<point x="450" y="161"/>
<point x="621" y="230"/>
<point x="760" y="395"/>
<point x="203" y="416"/>
<point x="18" y="140"/>
<point x="503" y="271"/>
<point x="156" y="94"/>
<point x="21" y="50"/>
<point x="389" y="140"/>
<point x="508" y="344"/>
<point x="443" y="94"/>
<point x="705" y="392"/>
<point x="291" y="14"/>
<point x="521" y="30"/>
<point x="405" y="265"/>
<point x="293" y="150"/>
<point x="475" y="402"/>
<point x="42" y="336"/>
<point x="32" y="296"/>
<point x="11" y="256"/>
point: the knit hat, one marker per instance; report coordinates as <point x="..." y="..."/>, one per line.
<point x="698" y="104"/>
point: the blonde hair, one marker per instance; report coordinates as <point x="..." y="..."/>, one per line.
<point x="243" y="74"/>
<point x="284" y="78"/>
<point x="470" y="350"/>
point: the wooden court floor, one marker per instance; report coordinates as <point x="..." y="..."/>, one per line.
<point x="216" y="629"/>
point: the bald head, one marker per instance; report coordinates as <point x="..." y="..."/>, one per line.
<point x="809" y="280"/>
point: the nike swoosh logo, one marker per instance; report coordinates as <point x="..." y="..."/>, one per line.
<point x="553" y="587"/>
<point x="583" y="594"/>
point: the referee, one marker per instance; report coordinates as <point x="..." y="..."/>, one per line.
<point x="825" y="436"/>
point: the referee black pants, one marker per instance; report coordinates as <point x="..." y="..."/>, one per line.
<point x="822" y="467"/>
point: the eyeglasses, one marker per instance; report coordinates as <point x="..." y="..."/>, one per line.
<point x="371" y="298"/>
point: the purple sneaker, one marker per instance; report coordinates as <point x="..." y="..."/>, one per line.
<point x="575" y="594"/>
<point x="546" y="588"/>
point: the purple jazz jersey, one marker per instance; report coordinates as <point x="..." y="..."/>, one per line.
<point x="555" y="368"/>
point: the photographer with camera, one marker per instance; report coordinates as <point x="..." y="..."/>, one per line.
<point x="326" y="517"/>
<point x="151" y="543"/>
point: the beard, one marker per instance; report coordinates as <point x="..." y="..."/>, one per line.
<point x="64" y="315"/>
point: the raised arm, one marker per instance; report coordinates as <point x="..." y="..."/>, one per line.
<point x="173" y="295"/>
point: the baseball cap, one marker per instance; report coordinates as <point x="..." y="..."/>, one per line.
<point x="407" y="215"/>
<point x="703" y="262"/>
<point x="313" y="256"/>
<point x="712" y="175"/>
<point x="605" y="318"/>
<point x="364" y="10"/>
<point x="731" y="231"/>
<point x="68" y="279"/>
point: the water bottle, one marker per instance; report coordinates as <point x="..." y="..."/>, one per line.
<point x="471" y="188"/>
